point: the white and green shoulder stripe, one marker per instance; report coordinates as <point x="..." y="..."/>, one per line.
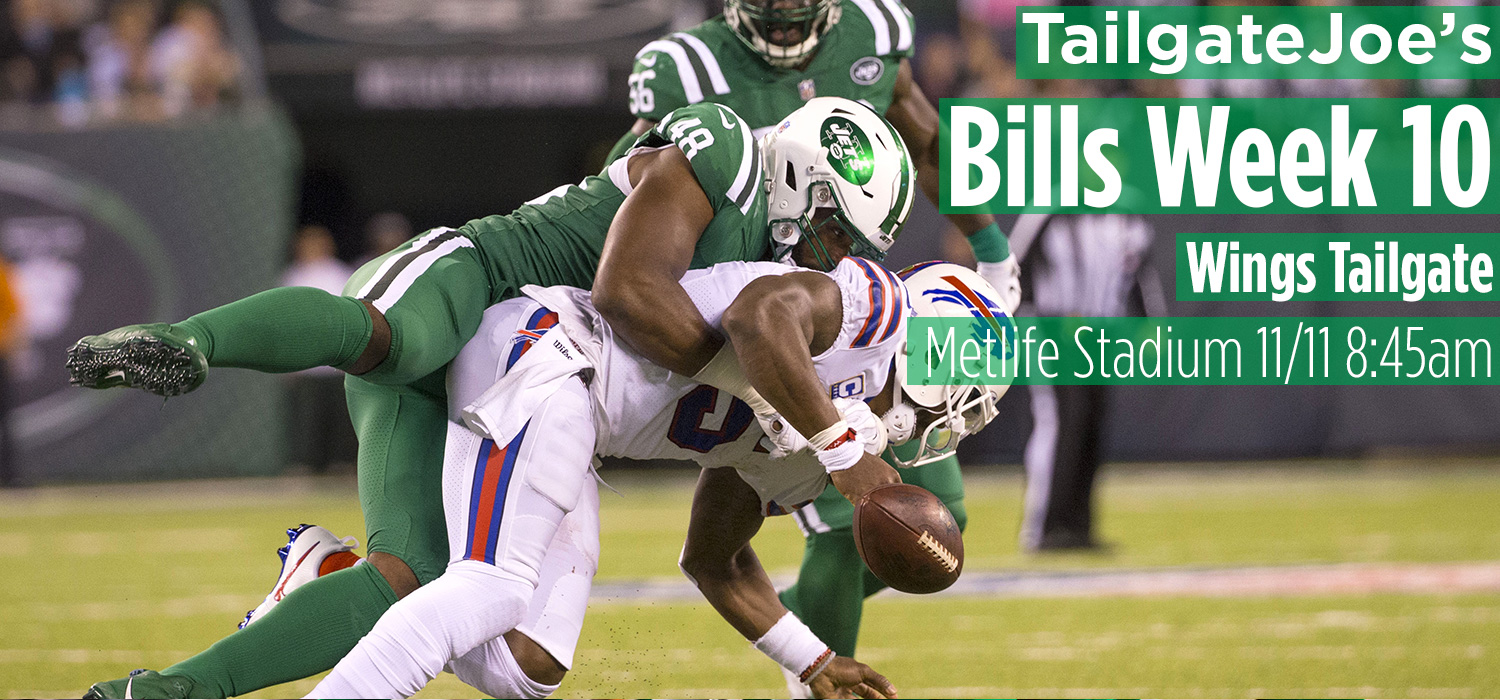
<point x="891" y="22"/>
<point x="697" y="69"/>
<point x="747" y="177"/>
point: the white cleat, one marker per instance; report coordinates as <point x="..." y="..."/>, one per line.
<point x="310" y="552"/>
<point x="797" y="688"/>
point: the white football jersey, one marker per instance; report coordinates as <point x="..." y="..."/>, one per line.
<point x="653" y="413"/>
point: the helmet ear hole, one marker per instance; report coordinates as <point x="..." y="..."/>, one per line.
<point x="791" y="176"/>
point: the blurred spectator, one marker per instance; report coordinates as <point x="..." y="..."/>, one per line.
<point x="315" y="263"/>
<point x="91" y="59"/>
<point x="40" y="40"/>
<point x="940" y="67"/>
<point x="988" y="33"/>
<point x="319" y="432"/>
<point x="12" y="339"/>
<point x="118" y="51"/>
<point x="189" y="61"/>
<point x="383" y="232"/>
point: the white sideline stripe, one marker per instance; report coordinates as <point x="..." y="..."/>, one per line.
<point x="1325" y="579"/>
<point x="114" y="610"/>
<point x="903" y="28"/>
<point x="78" y="656"/>
<point x="690" y="87"/>
<point x="391" y="262"/>
<point x="711" y="64"/>
<point x="877" y="21"/>
<point x="409" y="275"/>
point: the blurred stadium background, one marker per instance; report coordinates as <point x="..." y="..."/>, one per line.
<point x="160" y="157"/>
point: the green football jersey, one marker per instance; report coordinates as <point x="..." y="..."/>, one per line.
<point x="857" y="60"/>
<point x="557" y="238"/>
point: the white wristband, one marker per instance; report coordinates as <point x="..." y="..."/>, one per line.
<point x="790" y="643"/>
<point x="837" y="449"/>
<point x="841" y="457"/>
<point x="724" y="372"/>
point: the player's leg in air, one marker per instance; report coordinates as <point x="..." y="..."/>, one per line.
<point x="404" y="316"/>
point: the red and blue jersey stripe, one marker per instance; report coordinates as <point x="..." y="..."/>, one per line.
<point x="887" y="304"/>
<point x="492" y="472"/>
<point x="539" y="322"/>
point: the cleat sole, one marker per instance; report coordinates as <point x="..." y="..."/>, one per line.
<point x="141" y="363"/>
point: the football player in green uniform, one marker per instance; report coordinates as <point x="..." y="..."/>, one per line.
<point x="766" y="58"/>
<point x="691" y="194"/>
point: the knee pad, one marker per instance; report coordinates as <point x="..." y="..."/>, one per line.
<point x="493" y="670"/>
<point x="468" y="605"/>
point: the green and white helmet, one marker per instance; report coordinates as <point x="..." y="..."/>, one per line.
<point x="837" y="154"/>
<point x="783" y="32"/>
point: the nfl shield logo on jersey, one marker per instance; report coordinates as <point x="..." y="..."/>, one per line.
<point x="807" y="90"/>
<point x="866" y="71"/>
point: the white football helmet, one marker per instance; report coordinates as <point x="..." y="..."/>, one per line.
<point x="953" y="291"/>
<point x="785" y="36"/>
<point x="837" y="154"/>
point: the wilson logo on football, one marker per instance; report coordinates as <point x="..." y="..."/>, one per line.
<point x="938" y="551"/>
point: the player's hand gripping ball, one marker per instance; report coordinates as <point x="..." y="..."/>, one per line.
<point x="908" y="538"/>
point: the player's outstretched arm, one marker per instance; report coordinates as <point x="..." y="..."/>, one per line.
<point x="718" y="558"/>
<point x="777" y="325"/>
<point x="917" y="121"/>
<point x="649" y="247"/>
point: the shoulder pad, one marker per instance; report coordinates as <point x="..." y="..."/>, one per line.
<point x="675" y="70"/>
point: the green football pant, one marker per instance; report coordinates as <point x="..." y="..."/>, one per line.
<point x="433" y="290"/>
<point x="833" y="582"/>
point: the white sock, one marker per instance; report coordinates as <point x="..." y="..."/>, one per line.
<point x="492" y="669"/>
<point x="468" y="605"/>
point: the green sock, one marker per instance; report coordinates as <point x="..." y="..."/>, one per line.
<point x="282" y="330"/>
<point x="312" y="628"/>
<point x="829" y="594"/>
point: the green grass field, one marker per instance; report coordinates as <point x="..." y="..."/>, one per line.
<point x="102" y="579"/>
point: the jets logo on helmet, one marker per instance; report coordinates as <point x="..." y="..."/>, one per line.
<point x="837" y="155"/>
<point x="946" y="290"/>
<point x="848" y="150"/>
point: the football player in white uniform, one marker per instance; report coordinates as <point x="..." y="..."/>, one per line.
<point x="808" y="350"/>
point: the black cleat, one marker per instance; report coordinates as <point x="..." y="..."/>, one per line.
<point x="148" y="356"/>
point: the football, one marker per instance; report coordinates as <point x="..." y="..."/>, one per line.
<point x="908" y="538"/>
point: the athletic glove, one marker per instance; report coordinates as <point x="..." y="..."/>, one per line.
<point x="1005" y="277"/>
